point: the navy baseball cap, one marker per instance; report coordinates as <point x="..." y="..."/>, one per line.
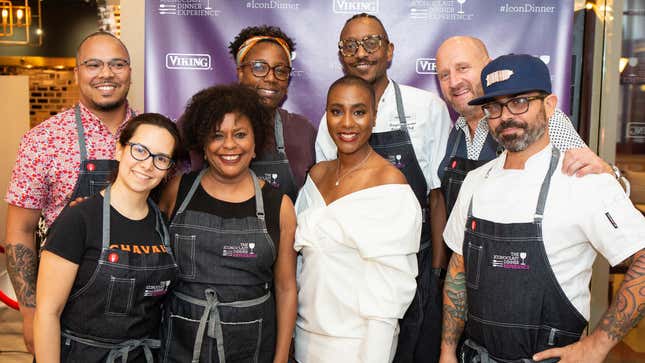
<point x="513" y="74"/>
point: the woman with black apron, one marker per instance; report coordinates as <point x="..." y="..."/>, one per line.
<point x="263" y="56"/>
<point x="232" y="234"/>
<point x="107" y="262"/>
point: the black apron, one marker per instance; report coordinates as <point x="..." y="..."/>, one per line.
<point x="222" y="310"/>
<point x="516" y="306"/>
<point x="420" y="333"/>
<point x="455" y="173"/>
<point x="124" y="288"/>
<point x="92" y="177"/>
<point x="274" y="167"/>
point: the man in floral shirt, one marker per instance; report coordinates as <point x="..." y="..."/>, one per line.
<point x="68" y="155"/>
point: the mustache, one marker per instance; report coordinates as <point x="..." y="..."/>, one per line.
<point x="506" y="124"/>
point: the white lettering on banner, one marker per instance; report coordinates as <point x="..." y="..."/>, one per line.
<point x="526" y="9"/>
<point x="188" y="61"/>
<point x="273" y="4"/>
<point x="354" y="6"/>
<point x="452" y="10"/>
<point x="426" y="66"/>
<point x="188" y="8"/>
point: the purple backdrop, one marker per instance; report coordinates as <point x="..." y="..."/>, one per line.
<point x="187" y="40"/>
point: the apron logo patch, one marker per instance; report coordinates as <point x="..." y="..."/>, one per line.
<point x="396" y="160"/>
<point x="410" y="122"/>
<point x="515" y="261"/>
<point x="611" y="220"/>
<point x="113" y="257"/>
<point x="159" y="289"/>
<point x="271" y="178"/>
<point x="242" y="250"/>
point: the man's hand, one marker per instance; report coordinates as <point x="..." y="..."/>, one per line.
<point x="584" y="351"/>
<point x="76" y="201"/>
<point x="448" y="358"/>
<point x="583" y="161"/>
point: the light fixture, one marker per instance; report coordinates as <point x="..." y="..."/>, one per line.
<point x="21" y="22"/>
<point x="622" y="63"/>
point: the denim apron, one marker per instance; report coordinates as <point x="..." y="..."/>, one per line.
<point x="124" y="288"/>
<point x="420" y="328"/>
<point x="274" y="167"/>
<point x="93" y="175"/>
<point x="222" y="309"/>
<point x="516" y="306"/>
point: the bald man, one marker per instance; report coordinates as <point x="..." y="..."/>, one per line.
<point x="67" y="156"/>
<point x="460" y="61"/>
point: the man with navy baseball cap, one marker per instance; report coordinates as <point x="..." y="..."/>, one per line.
<point x="525" y="236"/>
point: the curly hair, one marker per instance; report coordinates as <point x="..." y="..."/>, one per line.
<point x="262" y="30"/>
<point x="206" y="110"/>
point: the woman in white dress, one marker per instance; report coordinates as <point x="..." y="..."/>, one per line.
<point x="358" y="231"/>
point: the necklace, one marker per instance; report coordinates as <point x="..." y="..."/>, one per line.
<point x="353" y="169"/>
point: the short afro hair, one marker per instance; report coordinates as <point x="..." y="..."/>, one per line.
<point x="206" y="110"/>
<point x="262" y="30"/>
<point x="350" y="80"/>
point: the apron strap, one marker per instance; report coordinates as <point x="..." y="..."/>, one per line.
<point x="160" y="225"/>
<point x="119" y="350"/>
<point x="211" y="316"/>
<point x="191" y="191"/>
<point x="279" y="134"/>
<point x="460" y="133"/>
<point x="399" y="106"/>
<point x="81" y="133"/>
<point x="544" y="190"/>
<point x="259" y="201"/>
<point x="105" y="229"/>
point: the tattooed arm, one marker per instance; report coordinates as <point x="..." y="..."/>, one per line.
<point x="454" y="308"/>
<point x="22" y="263"/>
<point x="627" y="309"/>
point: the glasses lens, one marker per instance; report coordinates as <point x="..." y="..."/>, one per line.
<point x="139" y="152"/>
<point x="518" y="105"/>
<point x="371" y="44"/>
<point x="118" y="65"/>
<point x="494" y="110"/>
<point x="349" y="47"/>
<point x="259" y="69"/>
<point x="282" y="72"/>
<point x="93" y="66"/>
<point x="162" y="162"/>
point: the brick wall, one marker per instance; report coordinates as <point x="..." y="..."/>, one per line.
<point x="50" y="90"/>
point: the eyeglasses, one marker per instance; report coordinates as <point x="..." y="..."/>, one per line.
<point x="262" y="68"/>
<point x="371" y="43"/>
<point x="515" y="106"/>
<point x="141" y="153"/>
<point x="95" y="66"/>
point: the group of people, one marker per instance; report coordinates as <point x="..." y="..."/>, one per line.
<point x="286" y="243"/>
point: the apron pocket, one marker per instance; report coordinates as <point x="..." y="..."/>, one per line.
<point x="242" y="340"/>
<point x="179" y="339"/>
<point x="473" y="265"/>
<point x="120" y="294"/>
<point x="96" y="186"/>
<point x="184" y="249"/>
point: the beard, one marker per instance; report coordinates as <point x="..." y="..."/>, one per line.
<point x="110" y="106"/>
<point x="519" y="142"/>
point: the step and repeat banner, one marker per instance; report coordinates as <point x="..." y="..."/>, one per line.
<point x="187" y="41"/>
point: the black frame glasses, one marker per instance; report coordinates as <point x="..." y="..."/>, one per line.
<point x="516" y="106"/>
<point x="155" y="157"/>
<point x="371" y="43"/>
<point x="261" y="69"/>
<point x="95" y="66"/>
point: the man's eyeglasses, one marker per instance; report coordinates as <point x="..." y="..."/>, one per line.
<point x="516" y="106"/>
<point x="262" y="68"/>
<point x="141" y="153"/>
<point x="371" y="43"/>
<point x="95" y="66"/>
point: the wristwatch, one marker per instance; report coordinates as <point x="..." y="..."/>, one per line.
<point x="439" y="272"/>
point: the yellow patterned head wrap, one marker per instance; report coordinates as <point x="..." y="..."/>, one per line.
<point x="249" y="43"/>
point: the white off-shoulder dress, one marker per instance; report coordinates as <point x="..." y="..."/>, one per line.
<point x="358" y="272"/>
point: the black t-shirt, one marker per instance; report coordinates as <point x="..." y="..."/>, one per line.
<point x="76" y="235"/>
<point x="203" y="202"/>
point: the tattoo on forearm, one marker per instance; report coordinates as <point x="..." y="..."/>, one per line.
<point x="22" y="265"/>
<point x="454" y="304"/>
<point x="628" y="308"/>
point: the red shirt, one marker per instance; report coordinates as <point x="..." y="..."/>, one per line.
<point x="48" y="160"/>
